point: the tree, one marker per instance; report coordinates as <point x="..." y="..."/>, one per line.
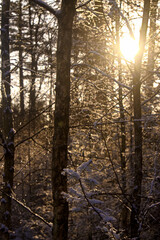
<point x="61" y="116"/>
<point x="138" y="159"/>
<point x="94" y="106"/>
<point x="21" y="60"/>
<point x="124" y="214"/>
<point x="7" y="131"/>
<point x="61" y="119"/>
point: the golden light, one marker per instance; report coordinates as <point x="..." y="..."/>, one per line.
<point x="129" y="47"/>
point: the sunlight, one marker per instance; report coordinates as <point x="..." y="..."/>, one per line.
<point x="129" y="47"/>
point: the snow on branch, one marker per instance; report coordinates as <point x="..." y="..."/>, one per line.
<point x="27" y="208"/>
<point x="71" y="173"/>
<point x="47" y="7"/>
<point x="103" y="74"/>
<point x="83" y="166"/>
<point x="114" y="9"/>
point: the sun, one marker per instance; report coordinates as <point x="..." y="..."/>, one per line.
<point x="129" y="47"/>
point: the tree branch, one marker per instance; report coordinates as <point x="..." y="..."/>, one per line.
<point x="102" y="73"/>
<point x="30" y="137"/>
<point x="28" y="209"/>
<point x="39" y="114"/>
<point x="83" y="4"/>
<point x="47" y="7"/>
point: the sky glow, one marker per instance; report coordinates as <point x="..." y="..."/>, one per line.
<point x="129" y="47"/>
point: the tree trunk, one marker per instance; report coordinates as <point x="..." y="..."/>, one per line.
<point x="136" y="204"/>
<point x="7" y="134"/>
<point x="21" y="60"/>
<point x="151" y="55"/>
<point x="124" y="211"/>
<point x="61" y="120"/>
<point x="32" y="96"/>
<point x="151" y="49"/>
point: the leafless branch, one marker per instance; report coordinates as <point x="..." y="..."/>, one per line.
<point x="95" y="210"/>
<point x="38" y="115"/>
<point x="33" y="213"/>
<point x="83" y="4"/>
<point x="103" y="74"/>
<point x="2" y="158"/>
<point x="44" y="148"/>
<point x="47" y="7"/>
<point x="31" y="137"/>
<point x="28" y="209"/>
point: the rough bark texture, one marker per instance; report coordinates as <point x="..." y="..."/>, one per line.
<point x="61" y="119"/>
<point x="7" y="133"/>
<point x="136" y="204"/>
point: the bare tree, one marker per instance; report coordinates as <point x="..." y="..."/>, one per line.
<point x="138" y="159"/>
<point x="21" y="59"/>
<point x="7" y="133"/>
<point x="61" y="116"/>
<point x="122" y="142"/>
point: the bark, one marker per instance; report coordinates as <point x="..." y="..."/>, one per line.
<point x="124" y="211"/>
<point x="61" y="120"/>
<point x="61" y="116"/>
<point x="151" y="48"/>
<point x="136" y="202"/>
<point x="21" y="60"/>
<point x="33" y="67"/>
<point x="7" y="133"/>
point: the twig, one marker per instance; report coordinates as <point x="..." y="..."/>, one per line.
<point x="38" y="115"/>
<point x="115" y="173"/>
<point x="31" y="137"/>
<point x="95" y="210"/>
<point x="47" y="7"/>
<point x="103" y="74"/>
<point x="28" y="209"/>
<point x="33" y="213"/>
<point x="41" y="145"/>
<point x="2" y="157"/>
<point x="83" y="4"/>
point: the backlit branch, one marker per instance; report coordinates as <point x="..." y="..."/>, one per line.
<point x="83" y="4"/>
<point x="47" y="7"/>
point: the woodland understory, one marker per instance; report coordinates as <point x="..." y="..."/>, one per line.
<point x="80" y="120"/>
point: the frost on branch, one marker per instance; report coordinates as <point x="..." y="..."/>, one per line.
<point x="116" y="10"/>
<point x="12" y="131"/>
<point x="84" y="166"/>
<point x="71" y="173"/>
<point x="84" y="196"/>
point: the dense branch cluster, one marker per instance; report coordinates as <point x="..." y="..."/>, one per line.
<point x="79" y="123"/>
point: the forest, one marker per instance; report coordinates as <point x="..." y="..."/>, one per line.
<point x="80" y="120"/>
